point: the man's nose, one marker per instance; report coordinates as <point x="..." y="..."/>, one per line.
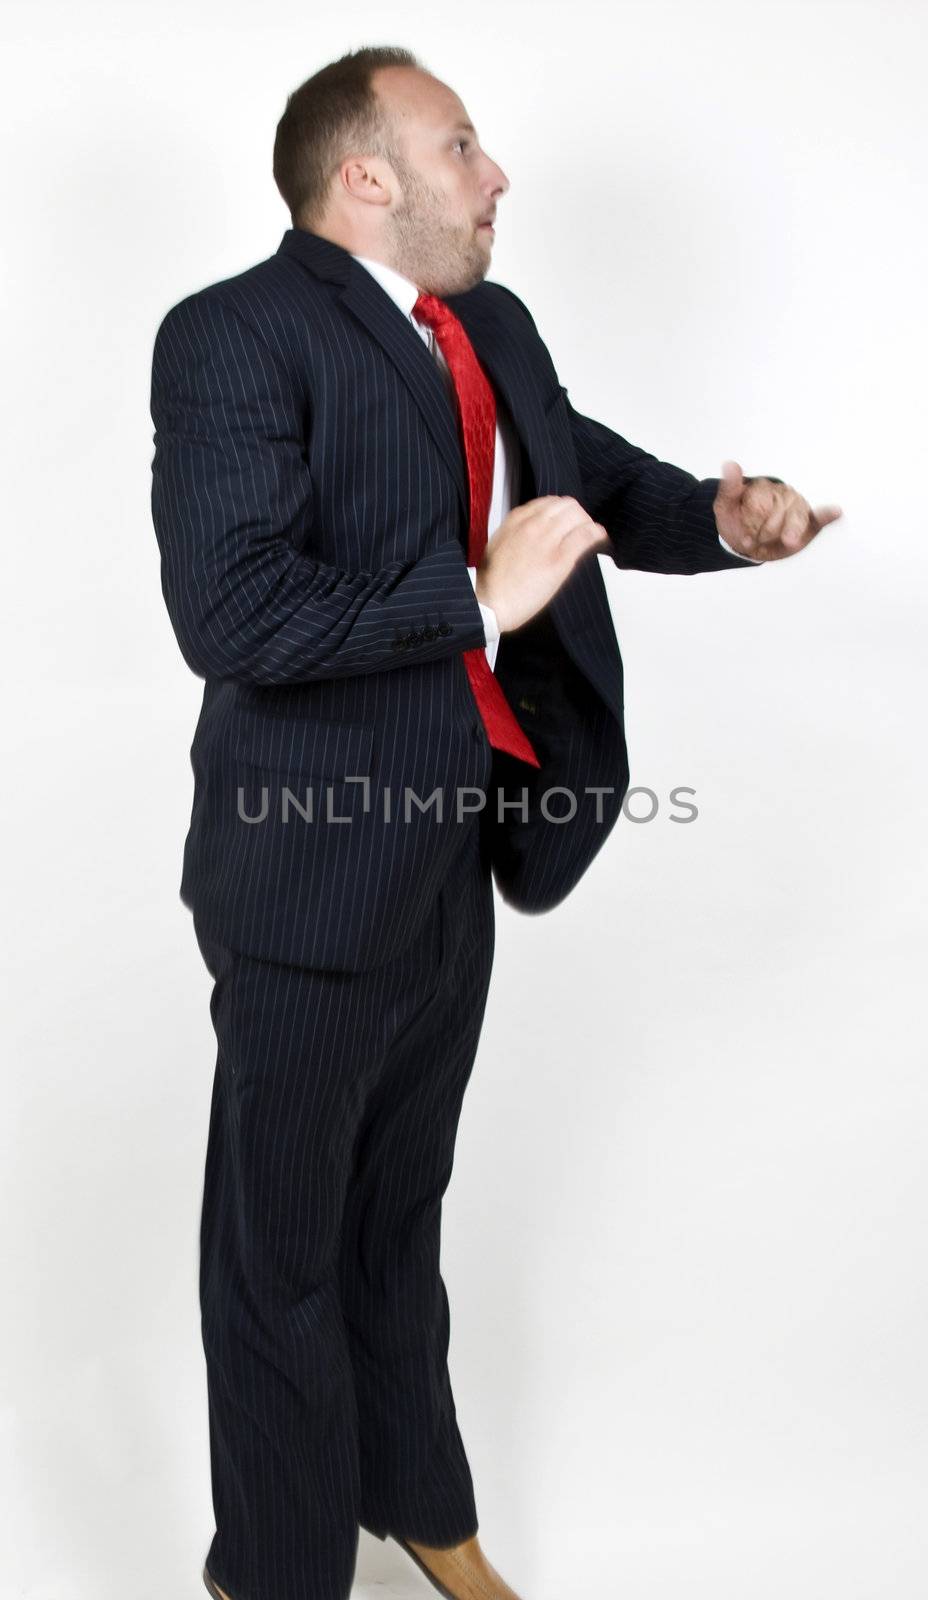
<point x="498" y="181"/>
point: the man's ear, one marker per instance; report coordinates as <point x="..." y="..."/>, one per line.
<point x="367" y="178"/>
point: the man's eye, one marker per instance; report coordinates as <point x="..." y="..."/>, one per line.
<point x="460" y="143"/>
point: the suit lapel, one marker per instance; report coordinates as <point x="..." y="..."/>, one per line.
<point x="364" y="299"/>
<point x="499" y="353"/>
<point x="580" y="608"/>
<point x="497" y="350"/>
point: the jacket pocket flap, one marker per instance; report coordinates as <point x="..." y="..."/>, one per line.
<point x="318" y="748"/>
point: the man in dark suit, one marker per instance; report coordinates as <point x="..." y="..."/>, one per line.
<point x="377" y="511"/>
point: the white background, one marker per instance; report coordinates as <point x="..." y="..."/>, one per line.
<point x="685" y="1237"/>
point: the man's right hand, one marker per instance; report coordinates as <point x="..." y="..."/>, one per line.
<point x="532" y="553"/>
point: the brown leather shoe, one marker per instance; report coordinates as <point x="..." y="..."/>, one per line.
<point x="460" y="1571"/>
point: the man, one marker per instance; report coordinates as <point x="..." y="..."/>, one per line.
<point x="397" y="711"/>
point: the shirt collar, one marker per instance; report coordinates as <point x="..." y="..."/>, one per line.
<point x="397" y="287"/>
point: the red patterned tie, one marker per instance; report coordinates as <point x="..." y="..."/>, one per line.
<point x="477" y="418"/>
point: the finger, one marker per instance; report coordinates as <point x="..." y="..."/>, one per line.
<point x="581" y="538"/>
<point x="822" y="515"/>
<point x="573" y="519"/>
<point x="731" y="483"/>
<point x="773" y="523"/>
<point x="567" y="506"/>
<point x="592" y="534"/>
<point x="566" y="509"/>
<point x="797" y="530"/>
<point x="794" y="529"/>
<point x="542" y="502"/>
<point x="760" y="515"/>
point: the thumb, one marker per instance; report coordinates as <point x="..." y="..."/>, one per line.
<point x="732" y="482"/>
<point x="825" y="514"/>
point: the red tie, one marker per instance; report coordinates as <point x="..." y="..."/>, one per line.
<point x="477" y="418"/>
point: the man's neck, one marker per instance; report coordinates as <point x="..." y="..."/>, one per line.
<point x="370" y="250"/>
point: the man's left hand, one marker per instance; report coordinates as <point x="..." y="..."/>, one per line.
<point x="764" y="519"/>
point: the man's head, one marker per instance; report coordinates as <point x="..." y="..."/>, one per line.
<point x="376" y="154"/>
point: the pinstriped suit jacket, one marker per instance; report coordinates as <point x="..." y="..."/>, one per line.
<point x="309" y="498"/>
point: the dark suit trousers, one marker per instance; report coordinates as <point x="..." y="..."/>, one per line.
<point x="325" y="1319"/>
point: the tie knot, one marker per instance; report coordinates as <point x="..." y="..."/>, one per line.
<point x="432" y="311"/>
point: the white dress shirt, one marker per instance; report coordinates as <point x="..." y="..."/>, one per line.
<point x="506" y="453"/>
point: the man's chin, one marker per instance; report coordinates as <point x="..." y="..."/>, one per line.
<point x="472" y="269"/>
<point x="478" y="272"/>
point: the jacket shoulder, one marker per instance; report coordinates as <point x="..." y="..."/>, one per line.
<point x="266" y="301"/>
<point x="507" y="299"/>
<point x="260" y="295"/>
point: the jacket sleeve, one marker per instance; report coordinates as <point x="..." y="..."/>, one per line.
<point x="230" y="488"/>
<point x="659" y="517"/>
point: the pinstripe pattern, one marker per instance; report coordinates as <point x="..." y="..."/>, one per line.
<point x="309" y="498"/>
<point x="325" y="1318"/>
<point x="310" y="502"/>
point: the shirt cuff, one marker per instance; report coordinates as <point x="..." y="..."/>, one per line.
<point x="490" y="624"/>
<point x="725" y="546"/>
